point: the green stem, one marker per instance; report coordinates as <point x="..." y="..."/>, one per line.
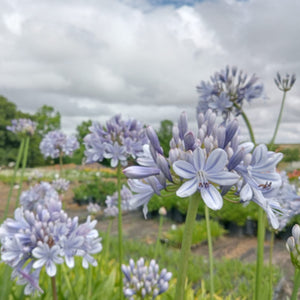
<point x="90" y="279"/>
<point x="271" y="265"/>
<point x="210" y="251"/>
<point x="260" y="253"/>
<point x="70" y="287"/>
<point x="107" y="242"/>
<point x="248" y="124"/>
<point x="21" y="148"/>
<point x="53" y="286"/>
<point x="186" y="246"/>
<point x="120" y="231"/>
<point x="279" y="119"/>
<point x="296" y="284"/>
<point x="157" y="246"/>
<point x="24" y="162"/>
<point x="60" y="163"/>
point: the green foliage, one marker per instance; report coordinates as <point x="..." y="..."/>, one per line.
<point x="47" y="119"/>
<point x="290" y="154"/>
<point x="95" y="191"/>
<point x="230" y="212"/>
<point x="82" y="131"/>
<point x="165" y="134"/>
<point x="175" y="236"/>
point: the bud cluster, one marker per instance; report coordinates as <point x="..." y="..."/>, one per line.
<point x="227" y="90"/>
<point x="293" y="246"/>
<point x="141" y="280"/>
<point x="286" y="83"/>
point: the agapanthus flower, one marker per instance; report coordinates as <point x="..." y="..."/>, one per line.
<point x="22" y="126"/>
<point x="117" y="141"/>
<point x="226" y="92"/>
<point x="126" y="196"/>
<point x="210" y="161"/>
<point x="61" y="185"/>
<point x="44" y="236"/>
<point x="56" y="143"/>
<point x="285" y="195"/>
<point x="192" y="156"/>
<point x="93" y="208"/>
<point x="39" y="194"/>
<point x="141" y="281"/>
<point x="285" y="83"/>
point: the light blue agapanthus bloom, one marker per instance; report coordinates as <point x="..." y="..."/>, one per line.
<point x="200" y="172"/>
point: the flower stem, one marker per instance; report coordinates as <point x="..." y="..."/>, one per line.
<point x="210" y="251"/>
<point x="60" y="163"/>
<point x="157" y="246"/>
<point x="271" y="265"/>
<point x="70" y="287"/>
<point x="260" y="252"/>
<point x="248" y="124"/>
<point x="106" y="250"/>
<point x="296" y="284"/>
<point x="120" y="230"/>
<point x="24" y="162"/>
<point x="186" y="246"/>
<point x="279" y="119"/>
<point x="53" y="286"/>
<point x="21" y="148"/>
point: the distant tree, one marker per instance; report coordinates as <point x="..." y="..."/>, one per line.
<point x="82" y="131"/>
<point x="48" y="119"/>
<point x="165" y="134"/>
<point x="9" y="142"/>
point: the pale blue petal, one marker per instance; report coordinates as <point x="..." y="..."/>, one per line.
<point x="223" y="178"/>
<point x="212" y="197"/>
<point x="38" y="263"/>
<point x="184" y="169"/>
<point x="51" y="268"/>
<point x="246" y="193"/>
<point x="216" y="161"/>
<point x="259" y="154"/>
<point x="188" y="188"/>
<point x="199" y="158"/>
<point x="272" y="218"/>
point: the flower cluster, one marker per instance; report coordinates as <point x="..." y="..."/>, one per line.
<point x="142" y="281"/>
<point x="226" y="92"/>
<point x="202" y="161"/>
<point x="56" y="143"/>
<point x="39" y="194"/>
<point x="116" y="141"/>
<point x="288" y="199"/>
<point x="43" y="235"/>
<point x="61" y="185"/>
<point x="293" y="246"/>
<point x="22" y="126"/>
<point x="111" y="209"/>
<point x="93" y="208"/>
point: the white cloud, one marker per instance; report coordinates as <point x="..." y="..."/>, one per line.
<point x="95" y="59"/>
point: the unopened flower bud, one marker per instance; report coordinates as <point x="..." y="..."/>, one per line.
<point x="162" y="211"/>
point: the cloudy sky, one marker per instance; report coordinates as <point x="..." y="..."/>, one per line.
<point x="144" y="58"/>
